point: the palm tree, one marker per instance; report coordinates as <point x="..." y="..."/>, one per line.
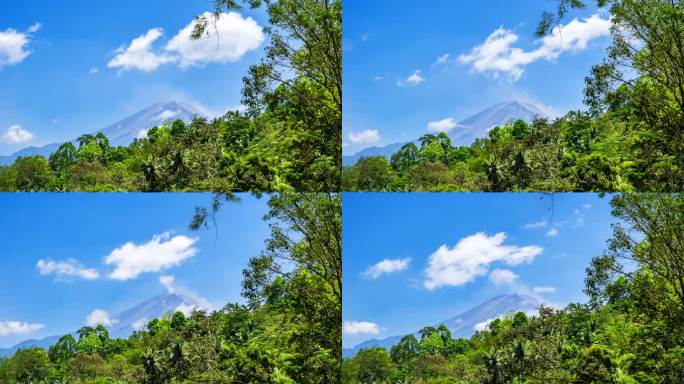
<point x="153" y="365"/>
<point x="85" y="139"/>
<point x="153" y="169"/>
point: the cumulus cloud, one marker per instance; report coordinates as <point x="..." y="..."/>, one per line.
<point x="415" y="78"/>
<point x="93" y="71"/>
<point x="16" y="134"/>
<point x="187" y="309"/>
<point x="64" y="270"/>
<point x="360" y="327"/>
<point x="544" y="289"/>
<point x="552" y="232"/>
<point x="167" y="282"/>
<point x="471" y="258"/>
<point x="386" y="266"/>
<point x="138" y="54"/>
<point x="363" y="137"/>
<point x="13" y="46"/>
<point x="445" y="125"/>
<point x="8" y="328"/>
<point x="139" y="324"/>
<point x="166" y="115"/>
<point x="162" y="252"/>
<point x="483" y="325"/>
<point x="498" y="55"/>
<point x="502" y="277"/>
<point x="100" y="317"/>
<point x="230" y="37"/>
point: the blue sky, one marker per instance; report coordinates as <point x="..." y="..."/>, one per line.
<point x="386" y="42"/>
<point x="543" y="248"/>
<point x="83" y="230"/>
<point x="62" y="73"/>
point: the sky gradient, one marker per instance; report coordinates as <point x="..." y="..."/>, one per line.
<point x="389" y="240"/>
<point x="407" y="64"/>
<point x="84" y="230"/>
<point x="70" y="67"/>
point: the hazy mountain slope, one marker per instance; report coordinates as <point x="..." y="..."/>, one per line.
<point x="468" y="130"/>
<point x="465" y="324"/>
<point x="124" y="131"/>
<point x="126" y="322"/>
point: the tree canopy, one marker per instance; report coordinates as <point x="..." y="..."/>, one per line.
<point x="628" y="332"/>
<point x="289" y="137"/>
<point x="288" y="330"/>
<point x="630" y="138"/>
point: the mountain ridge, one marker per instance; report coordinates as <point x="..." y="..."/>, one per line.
<point x="468" y="130"/>
<point x="122" y="132"/>
<point x="126" y="322"/>
<point x="464" y="325"/>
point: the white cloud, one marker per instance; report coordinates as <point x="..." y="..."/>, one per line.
<point x="167" y="282"/>
<point x="536" y="225"/>
<point x="579" y="215"/>
<point x="497" y="55"/>
<point x="162" y="252"/>
<point x="230" y="37"/>
<point x="367" y="136"/>
<point x="187" y="309"/>
<point x="360" y="327"/>
<point x="35" y="28"/>
<point x="386" y="266"/>
<point x="93" y="71"/>
<point x="471" y="257"/>
<point x="502" y="276"/>
<point x="166" y="116"/>
<point x="100" y="316"/>
<point x="442" y="59"/>
<point x="66" y="269"/>
<point x="552" y="232"/>
<point x="415" y="78"/>
<point x="142" y="134"/>
<point x="8" y="328"/>
<point x="445" y="125"/>
<point x="544" y="289"/>
<point x="139" y="324"/>
<point x="16" y="134"/>
<point x="13" y="47"/>
<point x="484" y="325"/>
<point x="138" y="54"/>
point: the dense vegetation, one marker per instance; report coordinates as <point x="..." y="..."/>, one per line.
<point x="289" y="138"/>
<point x="629" y="332"/>
<point x="288" y="331"/>
<point x="631" y="138"/>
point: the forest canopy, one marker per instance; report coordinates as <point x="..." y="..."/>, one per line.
<point x="630" y="138"/>
<point x="287" y="330"/>
<point x="628" y="332"/>
<point x="289" y="137"/>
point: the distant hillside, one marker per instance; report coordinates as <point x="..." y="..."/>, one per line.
<point x="468" y="130"/>
<point x="124" y="131"/>
<point x="126" y="322"/>
<point x="465" y="324"/>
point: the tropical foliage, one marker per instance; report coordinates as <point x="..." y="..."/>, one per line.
<point x="287" y="331"/>
<point x="631" y="138"/>
<point x="289" y="137"/>
<point x="628" y="332"/>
